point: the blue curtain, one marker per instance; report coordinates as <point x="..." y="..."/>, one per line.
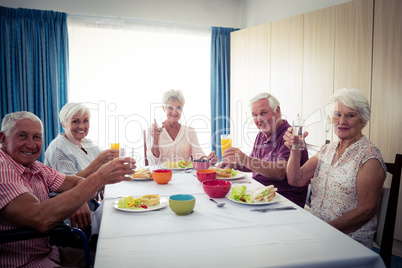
<point x="34" y="65"/>
<point x="220" y="85"/>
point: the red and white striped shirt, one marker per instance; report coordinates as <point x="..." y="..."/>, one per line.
<point x="16" y="179"/>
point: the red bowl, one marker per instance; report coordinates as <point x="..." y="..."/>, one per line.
<point x="206" y="174"/>
<point x="162" y="176"/>
<point x="216" y="188"/>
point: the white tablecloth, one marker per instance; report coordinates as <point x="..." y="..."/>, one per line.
<point x="231" y="236"/>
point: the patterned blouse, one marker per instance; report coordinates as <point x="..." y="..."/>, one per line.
<point x="333" y="187"/>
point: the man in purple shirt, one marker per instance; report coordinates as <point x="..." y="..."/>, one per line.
<point x="269" y="156"/>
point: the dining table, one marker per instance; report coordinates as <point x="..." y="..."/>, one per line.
<point x="233" y="235"/>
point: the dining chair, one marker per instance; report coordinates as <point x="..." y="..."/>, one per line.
<point x="384" y="236"/>
<point x="20" y="234"/>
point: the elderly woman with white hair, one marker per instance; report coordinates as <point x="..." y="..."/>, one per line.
<point x="71" y="152"/>
<point x="346" y="176"/>
<point x="173" y="141"/>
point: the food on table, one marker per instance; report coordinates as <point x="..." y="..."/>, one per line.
<point x="171" y="164"/>
<point x="131" y="202"/>
<point x="266" y="193"/>
<point x="179" y="164"/>
<point x="225" y="172"/>
<point x="184" y="164"/>
<point x="142" y="174"/>
<point x="239" y="194"/>
<point x="139" y="202"/>
<point x="151" y="200"/>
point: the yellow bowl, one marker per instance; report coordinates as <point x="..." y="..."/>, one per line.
<point x="182" y="204"/>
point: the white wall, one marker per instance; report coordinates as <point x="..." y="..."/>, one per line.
<point x="222" y="13"/>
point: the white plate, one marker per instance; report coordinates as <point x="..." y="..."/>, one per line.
<point x="258" y="203"/>
<point x="141" y="179"/>
<point x="174" y="169"/>
<point x="162" y="204"/>
<point x="238" y="176"/>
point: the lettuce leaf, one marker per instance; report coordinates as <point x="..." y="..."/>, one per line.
<point x="185" y="164"/>
<point x="129" y="202"/>
<point x="233" y="172"/>
<point x="239" y="192"/>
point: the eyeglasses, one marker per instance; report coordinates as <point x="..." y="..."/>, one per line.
<point x="171" y="108"/>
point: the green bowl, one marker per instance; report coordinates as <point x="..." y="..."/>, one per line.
<point x="182" y="204"/>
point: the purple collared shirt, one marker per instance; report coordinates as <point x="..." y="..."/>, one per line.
<point x="272" y="150"/>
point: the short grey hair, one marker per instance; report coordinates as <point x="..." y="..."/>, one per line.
<point x="71" y="109"/>
<point x="173" y="95"/>
<point x="354" y="99"/>
<point x="273" y="102"/>
<point x="10" y="120"/>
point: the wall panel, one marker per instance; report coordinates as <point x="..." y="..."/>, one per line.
<point x="353" y="47"/>
<point x="318" y="73"/>
<point x="251" y="63"/>
<point x="259" y="68"/>
<point x="386" y="118"/>
<point x="240" y="58"/>
<point x="287" y="64"/>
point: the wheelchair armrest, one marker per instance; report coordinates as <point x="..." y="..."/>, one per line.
<point x="26" y="233"/>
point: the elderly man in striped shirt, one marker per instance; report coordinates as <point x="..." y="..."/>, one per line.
<point x="24" y="191"/>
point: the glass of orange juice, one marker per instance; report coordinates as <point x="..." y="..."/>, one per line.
<point x="115" y="146"/>
<point x="226" y="142"/>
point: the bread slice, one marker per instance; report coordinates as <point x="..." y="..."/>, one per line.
<point x="142" y="174"/>
<point x="222" y="172"/>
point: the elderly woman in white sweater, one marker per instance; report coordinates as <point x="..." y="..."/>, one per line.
<point x="173" y="141"/>
<point x="71" y="152"/>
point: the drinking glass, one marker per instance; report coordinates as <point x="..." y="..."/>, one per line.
<point x="115" y="146"/>
<point x="132" y="155"/>
<point x="226" y="142"/>
<point x="298" y="132"/>
<point x="159" y="123"/>
<point x="122" y="151"/>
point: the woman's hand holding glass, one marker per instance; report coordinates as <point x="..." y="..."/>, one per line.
<point x="107" y="155"/>
<point x="156" y="130"/>
<point x="290" y="138"/>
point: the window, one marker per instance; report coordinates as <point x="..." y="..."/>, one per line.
<point x="120" y="70"/>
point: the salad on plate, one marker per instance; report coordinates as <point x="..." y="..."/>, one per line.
<point x="181" y="164"/>
<point x="239" y="194"/>
<point x="260" y="196"/>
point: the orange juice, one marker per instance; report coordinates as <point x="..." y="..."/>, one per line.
<point x="226" y="142"/>
<point x="115" y="146"/>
